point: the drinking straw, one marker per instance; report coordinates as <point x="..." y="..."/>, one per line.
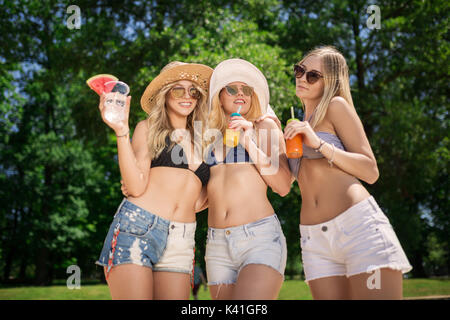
<point x="292" y="112"/>
<point x="239" y="109"/>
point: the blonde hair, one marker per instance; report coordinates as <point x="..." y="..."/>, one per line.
<point x="336" y="80"/>
<point x="217" y="118"/>
<point x="159" y="123"/>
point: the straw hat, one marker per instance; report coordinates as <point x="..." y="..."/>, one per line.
<point x="233" y="70"/>
<point x="197" y="73"/>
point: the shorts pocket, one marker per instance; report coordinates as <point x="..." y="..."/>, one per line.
<point x="268" y="230"/>
<point x="359" y="225"/>
<point x="134" y="224"/>
<point x="305" y="237"/>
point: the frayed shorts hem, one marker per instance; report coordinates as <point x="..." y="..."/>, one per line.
<point x="403" y="268"/>
<point x="172" y="270"/>
<point x="395" y="267"/>
<point x="143" y="265"/>
<point x="122" y="263"/>
<point x="325" y="276"/>
<point x="227" y="282"/>
<point x="218" y="283"/>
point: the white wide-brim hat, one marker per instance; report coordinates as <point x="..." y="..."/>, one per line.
<point x="233" y="70"/>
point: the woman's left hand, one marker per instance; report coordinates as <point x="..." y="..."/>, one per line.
<point x="295" y="127"/>
<point x="239" y="122"/>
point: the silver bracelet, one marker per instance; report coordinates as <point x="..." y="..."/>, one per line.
<point x="319" y="148"/>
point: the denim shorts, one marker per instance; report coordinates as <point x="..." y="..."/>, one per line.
<point x="179" y="253"/>
<point x="139" y="237"/>
<point x="359" y="240"/>
<point x="231" y="249"/>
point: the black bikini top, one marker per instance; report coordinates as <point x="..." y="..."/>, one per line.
<point x="166" y="159"/>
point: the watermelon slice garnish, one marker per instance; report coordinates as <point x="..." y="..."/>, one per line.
<point x="97" y="83"/>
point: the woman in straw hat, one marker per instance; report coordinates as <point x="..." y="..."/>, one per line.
<point x="349" y="248"/>
<point x="149" y="249"/>
<point x="246" y="249"/>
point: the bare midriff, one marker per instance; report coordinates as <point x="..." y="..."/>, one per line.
<point x="326" y="191"/>
<point x="171" y="194"/>
<point x="237" y="195"/>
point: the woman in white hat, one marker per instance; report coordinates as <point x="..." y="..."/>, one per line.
<point x="246" y="249"/>
<point x="149" y="249"/>
<point x="349" y="248"/>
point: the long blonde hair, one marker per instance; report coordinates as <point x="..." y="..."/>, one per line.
<point x="336" y="80"/>
<point x="159" y="123"/>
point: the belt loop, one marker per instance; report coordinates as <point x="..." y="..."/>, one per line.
<point x="184" y="230"/>
<point x="278" y="220"/>
<point x="210" y="233"/>
<point x="373" y="204"/>
<point x="155" y="220"/>
<point x="247" y="233"/>
<point x="120" y="206"/>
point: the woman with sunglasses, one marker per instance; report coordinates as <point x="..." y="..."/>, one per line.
<point x="246" y="249"/>
<point x="149" y="249"/>
<point x="349" y="248"/>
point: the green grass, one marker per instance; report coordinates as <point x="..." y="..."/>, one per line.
<point x="291" y="290"/>
<point x="426" y="287"/>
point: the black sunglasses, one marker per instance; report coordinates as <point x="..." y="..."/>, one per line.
<point x="311" y="76"/>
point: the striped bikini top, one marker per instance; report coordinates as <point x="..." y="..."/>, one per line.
<point x="237" y="154"/>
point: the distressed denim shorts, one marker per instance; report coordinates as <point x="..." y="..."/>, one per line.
<point x="231" y="249"/>
<point x="139" y="237"/>
<point x="359" y="240"/>
<point x="179" y="253"/>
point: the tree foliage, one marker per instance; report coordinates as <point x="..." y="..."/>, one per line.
<point x="58" y="167"/>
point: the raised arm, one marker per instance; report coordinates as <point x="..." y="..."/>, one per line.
<point x="134" y="160"/>
<point x="358" y="159"/>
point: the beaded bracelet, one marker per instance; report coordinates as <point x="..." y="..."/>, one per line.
<point x="332" y="156"/>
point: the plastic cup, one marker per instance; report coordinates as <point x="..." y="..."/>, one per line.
<point x="231" y="138"/>
<point x="294" y="146"/>
<point x="116" y="93"/>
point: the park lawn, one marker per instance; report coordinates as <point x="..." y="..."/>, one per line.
<point x="291" y="290"/>
<point x="426" y="287"/>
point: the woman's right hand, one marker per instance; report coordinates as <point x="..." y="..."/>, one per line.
<point x="123" y="188"/>
<point x="274" y="118"/>
<point x="310" y="138"/>
<point x="120" y="127"/>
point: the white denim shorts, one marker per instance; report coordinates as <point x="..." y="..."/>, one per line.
<point x="178" y="256"/>
<point x="359" y="240"/>
<point x="231" y="249"/>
